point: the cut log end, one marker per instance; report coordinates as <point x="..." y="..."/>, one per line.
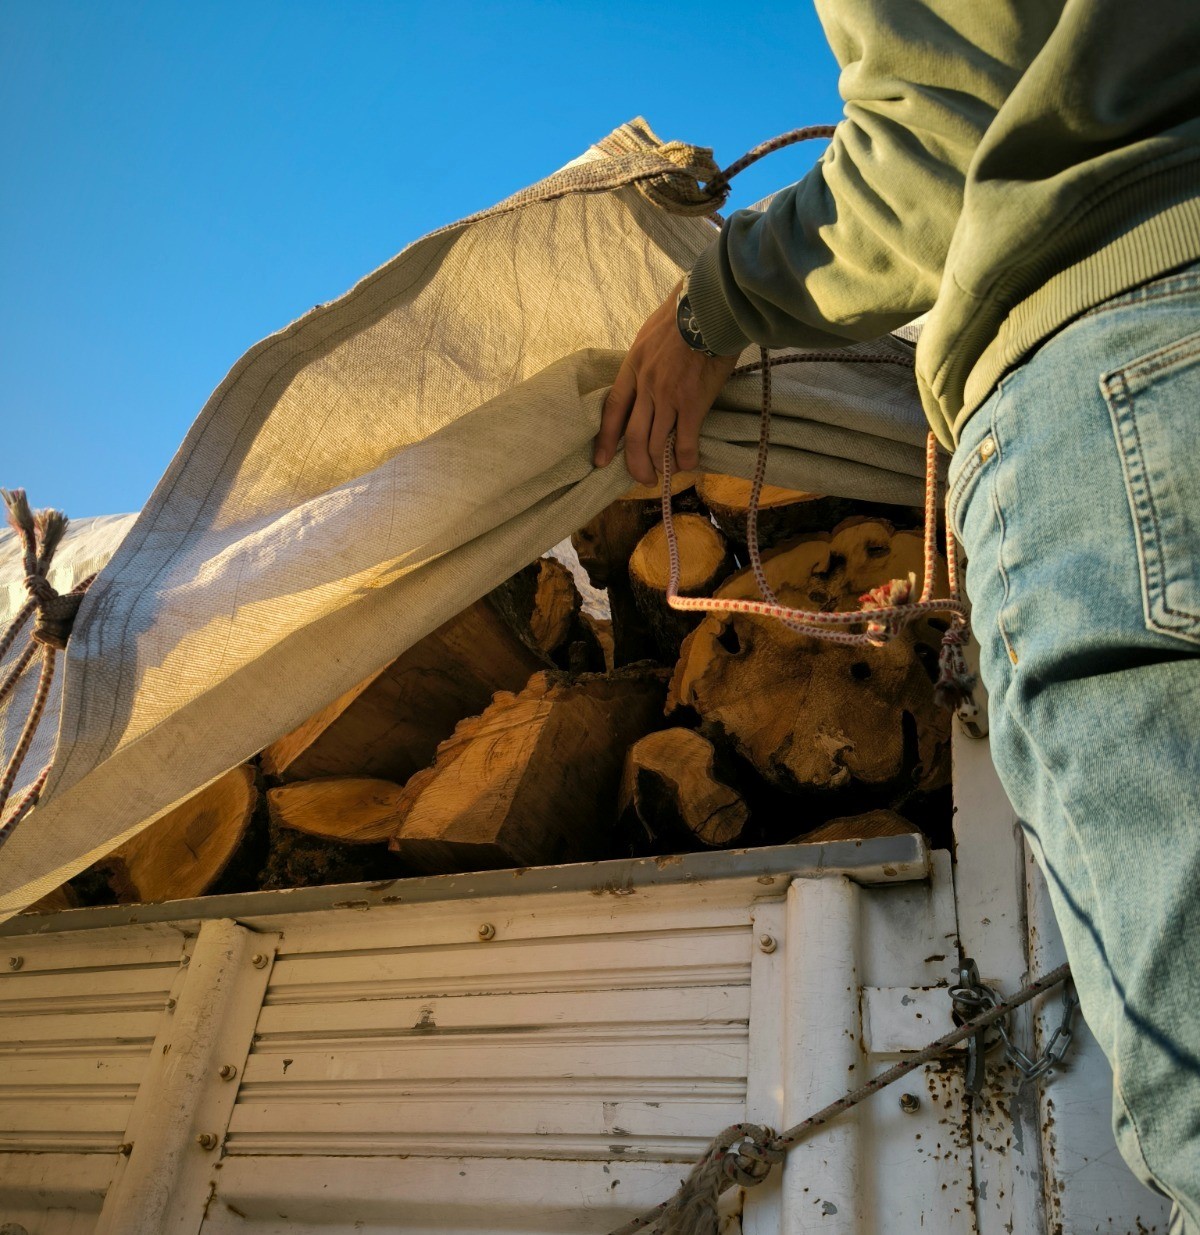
<point x="670" y="793"/>
<point x="352" y="810"/>
<point x="812" y="715"/>
<point x="533" y="780"/>
<point x="185" y="852"/>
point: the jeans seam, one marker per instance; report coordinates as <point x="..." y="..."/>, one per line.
<point x="1120" y="400"/>
<point x="958" y="492"/>
<point x="1002" y="537"/>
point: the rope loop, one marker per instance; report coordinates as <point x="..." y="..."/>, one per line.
<point x="686" y="191"/>
<point x="750" y="1160"/>
<point x="741" y="1154"/>
<point x="700" y="187"/>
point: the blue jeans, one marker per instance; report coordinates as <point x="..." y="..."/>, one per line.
<point x="1075" y="491"/>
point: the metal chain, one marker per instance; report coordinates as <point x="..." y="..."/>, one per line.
<point x="972" y="996"/>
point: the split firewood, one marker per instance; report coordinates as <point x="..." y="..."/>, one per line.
<point x="539" y="603"/>
<point x="671" y="796"/>
<point x="602" y="631"/>
<point x="604" y="547"/>
<point x="704" y="561"/>
<point x="354" y="810"/>
<point x="389" y="725"/>
<point x="185" y="852"/>
<point x="859" y="827"/>
<point x="810" y="714"/>
<point x="533" y="780"/>
<point x="542" y="606"/>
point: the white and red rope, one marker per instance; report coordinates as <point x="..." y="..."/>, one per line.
<point x="886" y="610"/>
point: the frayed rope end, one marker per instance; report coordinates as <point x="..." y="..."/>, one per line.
<point x="956" y="683"/>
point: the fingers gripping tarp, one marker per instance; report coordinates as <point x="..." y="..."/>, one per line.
<point x="370" y="470"/>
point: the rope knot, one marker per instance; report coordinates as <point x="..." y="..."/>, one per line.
<point x="742" y="1154"/>
<point x="40" y="588"/>
<point x="686" y="191"/>
<point x="887" y="597"/>
<point x="55" y="619"/>
<point x="749" y="1161"/>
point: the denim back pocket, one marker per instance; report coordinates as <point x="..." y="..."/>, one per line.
<point x="1154" y="403"/>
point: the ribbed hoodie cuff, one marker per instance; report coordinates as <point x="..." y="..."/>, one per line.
<point x="717" y="324"/>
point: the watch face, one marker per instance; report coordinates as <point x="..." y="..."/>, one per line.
<point x="689" y="328"/>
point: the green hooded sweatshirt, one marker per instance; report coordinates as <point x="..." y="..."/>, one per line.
<point x="1003" y="165"/>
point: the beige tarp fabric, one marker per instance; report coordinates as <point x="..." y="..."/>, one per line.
<point x="368" y="471"/>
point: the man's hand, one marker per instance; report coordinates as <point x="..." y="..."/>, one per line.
<point x="662" y="385"/>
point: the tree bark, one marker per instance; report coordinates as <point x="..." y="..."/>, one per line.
<point x="605" y="546"/>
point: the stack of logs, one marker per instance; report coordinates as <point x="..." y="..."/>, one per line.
<point x="526" y="731"/>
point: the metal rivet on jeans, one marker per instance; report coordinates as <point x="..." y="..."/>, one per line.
<point x="987" y="448"/>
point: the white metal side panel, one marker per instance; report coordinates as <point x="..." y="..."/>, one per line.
<point x="1086" y="1179"/>
<point x="515" y="1065"/>
<point x="79" y="1015"/>
<point x="549" y="1056"/>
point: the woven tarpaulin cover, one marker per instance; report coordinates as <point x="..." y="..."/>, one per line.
<point x="367" y="472"/>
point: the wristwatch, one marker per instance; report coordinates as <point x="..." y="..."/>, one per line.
<point x="685" y="319"/>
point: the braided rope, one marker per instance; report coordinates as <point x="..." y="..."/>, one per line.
<point x="743" y="1154"/>
<point x="719" y="184"/>
<point x="40" y="532"/>
<point x="45" y="679"/>
<point x="19" y="667"/>
<point x="886" y="610"/>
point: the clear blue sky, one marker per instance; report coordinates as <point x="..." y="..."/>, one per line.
<point x="180" y="180"/>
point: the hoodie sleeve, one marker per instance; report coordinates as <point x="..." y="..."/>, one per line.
<point x="857" y="247"/>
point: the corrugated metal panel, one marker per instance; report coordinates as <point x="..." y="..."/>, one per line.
<point x="538" y="1051"/>
<point x="79" y="1016"/>
<point x="628" y="1038"/>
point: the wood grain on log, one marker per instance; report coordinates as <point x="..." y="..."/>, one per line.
<point x="389" y="725"/>
<point x="531" y="781"/>
<point x="809" y="714"/>
<point x="859" y="827"/>
<point x="782" y="513"/>
<point x="704" y="562"/>
<point x="185" y="852"/>
<point x="540" y="603"/>
<point x="669" y="788"/>
<point x="355" y="810"/>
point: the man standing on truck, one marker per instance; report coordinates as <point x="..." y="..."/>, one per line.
<point x="1028" y="174"/>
